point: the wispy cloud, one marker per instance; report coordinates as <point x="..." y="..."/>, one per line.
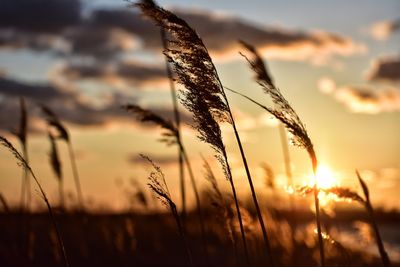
<point x="105" y="33"/>
<point x="382" y="30"/>
<point x="362" y="99"/>
<point x="118" y="74"/>
<point x="136" y="159"/>
<point x="69" y="104"/>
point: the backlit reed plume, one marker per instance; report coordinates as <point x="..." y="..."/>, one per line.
<point x="284" y="112"/>
<point x="348" y="195"/>
<point x="177" y="124"/>
<point x="55" y="164"/>
<point x="196" y="71"/>
<point x="22" y="162"/>
<point x="170" y="137"/>
<point x="54" y="122"/>
<point x="21" y="134"/>
<point x="159" y="187"/>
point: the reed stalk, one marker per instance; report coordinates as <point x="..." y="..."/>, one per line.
<point x="55" y="164"/>
<point x="53" y="121"/>
<point x="384" y="256"/>
<point x="284" y="112"/>
<point x="177" y="124"/>
<point x="171" y="137"/>
<point x="159" y="187"/>
<point x="22" y="162"/>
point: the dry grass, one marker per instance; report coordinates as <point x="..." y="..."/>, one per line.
<point x="54" y="122"/>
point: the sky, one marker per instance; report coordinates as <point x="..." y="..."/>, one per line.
<point x="337" y="62"/>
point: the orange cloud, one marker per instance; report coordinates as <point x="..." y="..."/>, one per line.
<point x="362" y="99"/>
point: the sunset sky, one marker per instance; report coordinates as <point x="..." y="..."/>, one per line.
<point x="337" y="62"/>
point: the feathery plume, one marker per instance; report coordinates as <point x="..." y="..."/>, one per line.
<point x="190" y="59"/>
<point x="52" y="120"/>
<point x="170" y="134"/>
<point x="54" y="158"/>
<point x="284" y="112"/>
<point x="21" y="132"/>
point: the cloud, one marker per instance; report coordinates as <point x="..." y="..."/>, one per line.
<point x="106" y="33"/>
<point x="136" y="159"/>
<point x="382" y="30"/>
<point x="39" y="16"/>
<point x="385" y="69"/>
<point x="70" y="105"/>
<point x="120" y="74"/>
<point x="362" y="99"/>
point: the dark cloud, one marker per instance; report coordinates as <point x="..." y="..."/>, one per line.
<point x="39" y="16"/>
<point x="385" y="69"/>
<point x="162" y="160"/>
<point x="68" y="104"/>
<point x="363" y="99"/>
<point x="107" y="33"/>
<point x="131" y="73"/>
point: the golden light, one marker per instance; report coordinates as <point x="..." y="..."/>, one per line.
<point x="325" y="177"/>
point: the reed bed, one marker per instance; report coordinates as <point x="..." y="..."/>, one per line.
<point x="145" y="239"/>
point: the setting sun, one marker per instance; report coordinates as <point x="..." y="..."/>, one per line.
<point x="325" y="177"/>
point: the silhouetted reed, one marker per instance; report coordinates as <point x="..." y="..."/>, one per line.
<point x="55" y="165"/>
<point x="284" y="112"/>
<point x="348" y="195"/>
<point x="171" y="136"/>
<point x="384" y="256"/>
<point x="22" y="162"/>
<point x="159" y="187"/>
<point x="53" y="121"/>
<point x="4" y="203"/>
<point x="196" y="71"/>
<point x="177" y="125"/>
<point x="21" y="134"/>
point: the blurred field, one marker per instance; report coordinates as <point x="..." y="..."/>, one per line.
<point x="152" y="240"/>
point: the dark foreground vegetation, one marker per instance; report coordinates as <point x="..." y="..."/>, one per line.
<point x="153" y="240"/>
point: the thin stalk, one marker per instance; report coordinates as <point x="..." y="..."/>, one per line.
<point x="288" y="170"/>
<point x="182" y="234"/>
<point x="378" y="238"/>
<point x="50" y="210"/>
<point x="314" y="163"/>
<point x="28" y="181"/>
<point x="239" y="214"/>
<point x="61" y="194"/>
<point x="286" y="154"/>
<point x="23" y="191"/>
<point x="177" y="124"/>
<point x="76" y="176"/>
<point x="253" y="192"/>
<point x="197" y="197"/>
<point x="21" y="161"/>
<point x="3" y="202"/>
<point x="317" y="210"/>
<point x="367" y="203"/>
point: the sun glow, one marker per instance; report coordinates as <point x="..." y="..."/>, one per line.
<point x="325" y="177"/>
